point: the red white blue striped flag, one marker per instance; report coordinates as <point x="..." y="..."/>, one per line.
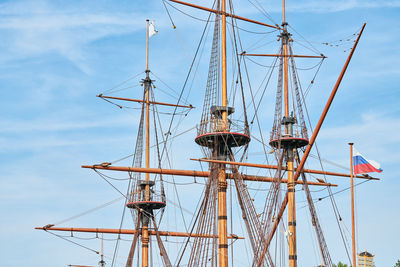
<point x="363" y="165"/>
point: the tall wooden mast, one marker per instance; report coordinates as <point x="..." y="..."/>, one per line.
<point x="222" y="184"/>
<point x="285" y="36"/>
<point x="145" y="221"/>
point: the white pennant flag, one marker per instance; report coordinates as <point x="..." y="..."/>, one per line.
<point x="152" y="29"/>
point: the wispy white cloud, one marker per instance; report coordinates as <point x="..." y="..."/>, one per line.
<point x="38" y="29"/>
<point x="36" y="144"/>
<point x="375" y="132"/>
<point x="386" y="125"/>
<point x="61" y="130"/>
<point x="52" y="124"/>
<point x="324" y="6"/>
<point x="313" y="6"/>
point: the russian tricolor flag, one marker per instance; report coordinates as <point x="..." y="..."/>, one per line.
<point x="363" y="165"/>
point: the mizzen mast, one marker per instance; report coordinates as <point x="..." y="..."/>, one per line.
<point x="145" y="221"/>
<point x="143" y="202"/>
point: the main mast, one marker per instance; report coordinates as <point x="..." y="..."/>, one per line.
<point x="215" y="133"/>
<point x="222" y="184"/>
<point x="289" y="150"/>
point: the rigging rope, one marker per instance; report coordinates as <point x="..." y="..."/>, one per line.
<point x="75" y="243"/>
<point x="187" y="14"/>
<point x="315" y="50"/>
<point x="110" y="90"/>
<point x="172" y="95"/>
<point x="169" y="15"/>
<point x="263" y="11"/>
<point x="320" y="236"/>
<point x="89" y="211"/>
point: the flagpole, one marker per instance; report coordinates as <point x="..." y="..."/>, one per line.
<point x="147" y="45"/>
<point x="352" y="205"/>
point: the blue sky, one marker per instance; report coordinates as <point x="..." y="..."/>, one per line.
<point x="57" y="55"/>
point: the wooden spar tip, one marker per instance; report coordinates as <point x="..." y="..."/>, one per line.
<point x="279" y="55"/>
<point x="45" y="227"/>
<point x="104" y="164"/>
<point x="143" y="101"/>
